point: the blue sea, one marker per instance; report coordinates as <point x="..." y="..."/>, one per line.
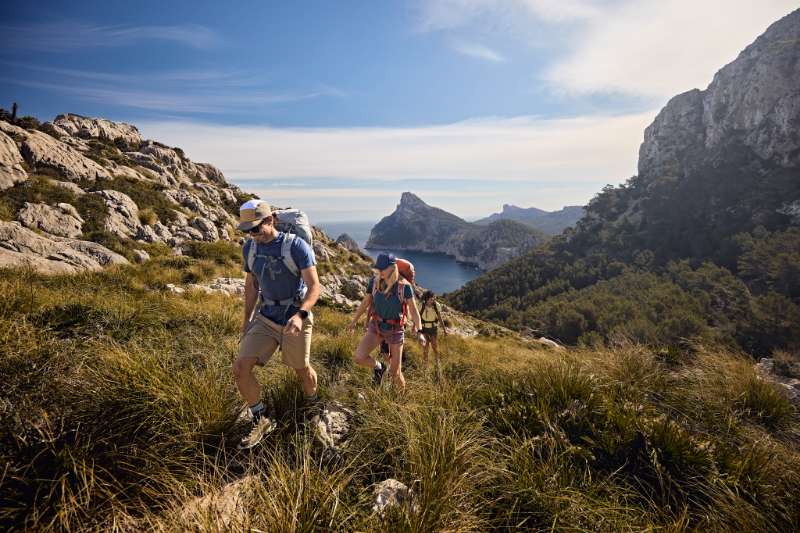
<point x="438" y="272"/>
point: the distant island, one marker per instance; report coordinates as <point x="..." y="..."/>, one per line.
<point x="417" y="226"/>
<point x="548" y="222"/>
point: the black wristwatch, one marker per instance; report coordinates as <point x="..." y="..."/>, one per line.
<point x="303" y="313"/>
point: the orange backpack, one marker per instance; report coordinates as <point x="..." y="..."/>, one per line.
<point x="407" y="274"/>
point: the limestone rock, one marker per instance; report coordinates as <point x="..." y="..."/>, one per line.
<point x="123" y="214"/>
<point x="141" y="256"/>
<point x="12" y="130"/>
<point x="751" y="103"/>
<point x="11" y="171"/>
<point x="62" y="220"/>
<point x="212" y="173"/>
<point x="789" y="385"/>
<point x="348" y="242"/>
<point x="68" y="185"/>
<point x="332" y="425"/>
<point x="86" y="127"/>
<point x="43" y="152"/>
<point x="171" y="287"/>
<point x="20" y="246"/>
<point x="207" y="228"/>
<point x="229" y="286"/>
<point x="392" y="493"/>
<point x="226" y="508"/>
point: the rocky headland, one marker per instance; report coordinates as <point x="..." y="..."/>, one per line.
<point x="417" y="226"/>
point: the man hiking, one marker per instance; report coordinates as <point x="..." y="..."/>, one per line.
<point x="388" y="302"/>
<point x="282" y="279"/>
<point x="431" y="320"/>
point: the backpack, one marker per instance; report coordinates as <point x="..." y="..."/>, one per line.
<point x="406" y="270"/>
<point x="407" y="275"/>
<point x="293" y="223"/>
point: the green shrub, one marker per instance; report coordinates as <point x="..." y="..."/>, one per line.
<point x="221" y="252"/>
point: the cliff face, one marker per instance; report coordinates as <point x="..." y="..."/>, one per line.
<point x="752" y="104"/>
<point x="548" y="222"/>
<point x="416" y="226"/>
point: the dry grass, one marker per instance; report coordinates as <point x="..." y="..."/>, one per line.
<point x="118" y="409"/>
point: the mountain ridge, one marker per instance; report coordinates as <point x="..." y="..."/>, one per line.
<point x="417" y="226"/>
<point x="548" y="222"/>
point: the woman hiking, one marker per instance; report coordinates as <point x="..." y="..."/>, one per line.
<point x="388" y="302"/>
<point x="431" y="320"/>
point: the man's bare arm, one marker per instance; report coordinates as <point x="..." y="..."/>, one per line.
<point x="311" y="280"/>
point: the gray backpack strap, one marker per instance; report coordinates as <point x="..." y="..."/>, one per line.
<point x="251" y="254"/>
<point x="286" y="252"/>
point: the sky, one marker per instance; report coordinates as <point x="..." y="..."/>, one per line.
<point x="339" y="107"/>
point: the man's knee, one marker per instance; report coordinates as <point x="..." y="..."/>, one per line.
<point x="243" y="366"/>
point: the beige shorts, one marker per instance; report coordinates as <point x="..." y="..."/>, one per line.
<point x="263" y="337"/>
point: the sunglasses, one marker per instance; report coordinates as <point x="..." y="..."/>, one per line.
<point x="256" y="229"/>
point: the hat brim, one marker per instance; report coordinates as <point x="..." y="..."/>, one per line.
<point x="247" y="226"/>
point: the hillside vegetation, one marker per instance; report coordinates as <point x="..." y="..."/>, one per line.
<point x="704" y="242"/>
<point x="118" y="411"/>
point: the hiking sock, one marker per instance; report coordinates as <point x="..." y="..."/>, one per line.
<point x="313" y="398"/>
<point x="378" y="365"/>
<point x="257" y="411"/>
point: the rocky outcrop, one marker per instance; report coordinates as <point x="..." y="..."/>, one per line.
<point x="226" y="507"/>
<point x="332" y="426"/>
<point x="416" y="226"/>
<point x="348" y="242"/>
<point x="11" y="171"/>
<point x="548" y="222"/>
<point x="342" y="290"/>
<point x="86" y="128"/>
<point x="392" y="493"/>
<point x="44" y="153"/>
<point x="752" y="103"/>
<point x="123" y="214"/>
<point x="21" y="247"/>
<point x="62" y="220"/>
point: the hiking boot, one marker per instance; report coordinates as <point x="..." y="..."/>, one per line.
<point x="262" y="426"/>
<point x="377" y="375"/>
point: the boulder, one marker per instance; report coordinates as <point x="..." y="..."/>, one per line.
<point x="225" y="508"/>
<point x="62" y="220"/>
<point x="229" y="286"/>
<point x="141" y="256"/>
<point x="11" y="171"/>
<point x="211" y="173"/>
<point x="86" y="127"/>
<point x="12" y="130"/>
<point x="68" y="185"/>
<point x="392" y="493"/>
<point x="20" y="246"/>
<point x="123" y="214"/>
<point x="348" y="242"/>
<point x="322" y="251"/>
<point x="43" y="152"/>
<point x="207" y="228"/>
<point x="331" y="426"/>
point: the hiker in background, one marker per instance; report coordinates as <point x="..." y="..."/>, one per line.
<point x="389" y="300"/>
<point x="282" y="279"/>
<point x="431" y="318"/>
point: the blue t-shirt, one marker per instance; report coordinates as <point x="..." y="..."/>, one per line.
<point x="389" y="307"/>
<point x="277" y="282"/>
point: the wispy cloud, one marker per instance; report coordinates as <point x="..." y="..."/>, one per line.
<point x="593" y="149"/>
<point x="477" y="51"/>
<point x="679" y="45"/>
<point x="65" y="36"/>
<point x="642" y="48"/>
<point x="183" y="91"/>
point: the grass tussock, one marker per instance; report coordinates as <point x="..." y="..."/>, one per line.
<point x="118" y="412"/>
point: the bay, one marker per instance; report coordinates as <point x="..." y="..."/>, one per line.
<point x="440" y="273"/>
